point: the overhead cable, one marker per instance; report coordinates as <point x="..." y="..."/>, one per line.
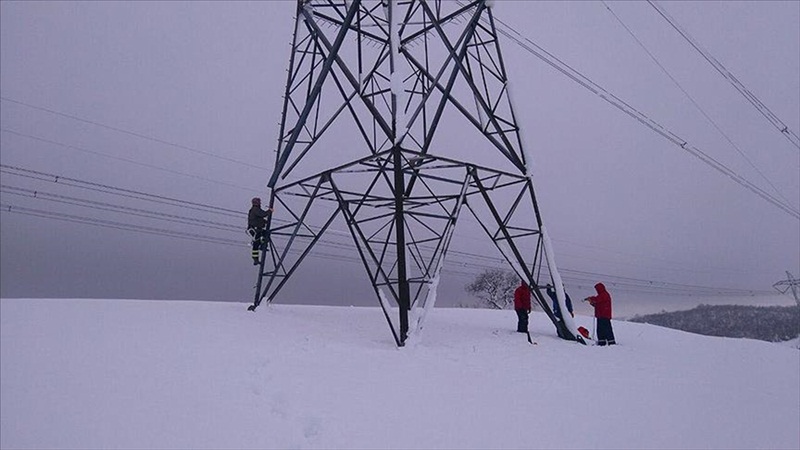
<point x="132" y="133"/>
<point x="117" y="208"/>
<point x="573" y="277"/>
<point x="536" y="50"/>
<point x="116" y="225"/>
<point x="75" y="182"/>
<point x="201" y="207"/>
<point x="119" y="158"/>
<point x="758" y="104"/>
<point x="692" y="100"/>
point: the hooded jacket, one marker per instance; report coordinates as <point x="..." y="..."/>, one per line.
<point x="601" y="302"/>
<point x="256" y="217"/>
<point x="522" y="297"/>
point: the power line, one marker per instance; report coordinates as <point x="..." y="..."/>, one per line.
<point x="581" y="278"/>
<point x="113" y="190"/>
<point x="119" y="158"/>
<point x="185" y="204"/>
<point x="570" y="275"/>
<point x="75" y="182"/>
<point x="758" y="104"/>
<point x="576" y="76"/>
<point x="13" y="190"/>
<point x="469" y="259"/>
<point x="102" y="206"/>
<point x="642" y="283"/>
<point x="116" y="225"/>
<point x="132" y="133"/>
<point x="693" y="101"/>
<point x="156" y="141"/>
<point x="537" y="51"/>
<point x="6" y="208"/>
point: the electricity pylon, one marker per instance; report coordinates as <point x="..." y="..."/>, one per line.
<point x="789" y="284"/>
<point x="397" y="114"/>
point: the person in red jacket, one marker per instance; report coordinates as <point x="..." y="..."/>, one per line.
<point x="602" y="311"/>
<point x="522" y="305"/>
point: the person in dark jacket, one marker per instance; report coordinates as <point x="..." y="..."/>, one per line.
<point x="551" y="292"/>
<point x="256" y="227"/>
<point x="522" y="305"/>
<point x="602" y="311"/>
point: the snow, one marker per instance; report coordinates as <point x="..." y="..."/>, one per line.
<point x="795" y="343"/>
<point x="418" y="313"/>
<point x="561" y="297"/>
<point x="523" y="140"/>
<point x="162" y="374"/>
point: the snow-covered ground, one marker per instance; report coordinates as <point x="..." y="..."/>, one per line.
<point x="159" y="374"/>
<point x="793" y="343"/>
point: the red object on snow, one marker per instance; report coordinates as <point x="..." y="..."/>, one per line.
<point x="584" y="332"/>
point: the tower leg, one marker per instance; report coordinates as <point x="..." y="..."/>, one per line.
<point x="404" y="300"/>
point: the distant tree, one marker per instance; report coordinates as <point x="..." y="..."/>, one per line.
<point x="494" y="287"/>
<point x="768" y="323"/>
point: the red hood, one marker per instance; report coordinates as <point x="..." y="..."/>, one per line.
<point x="600" y="288"/>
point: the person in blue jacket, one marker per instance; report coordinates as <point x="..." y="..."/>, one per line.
<point x="551" y="291"/>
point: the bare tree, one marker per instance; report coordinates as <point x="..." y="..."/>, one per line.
<point x="495" y="287"/>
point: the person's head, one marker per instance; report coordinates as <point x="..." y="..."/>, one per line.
<point x="600" y="288"/>
<point x="256" y="201"/>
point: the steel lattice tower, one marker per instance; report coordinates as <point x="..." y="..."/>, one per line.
<point x="373" y="89"/>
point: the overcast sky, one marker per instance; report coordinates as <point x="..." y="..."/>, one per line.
<point x="182" y="100"/>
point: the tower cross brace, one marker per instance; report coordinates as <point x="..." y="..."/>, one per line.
<point x="397" y="116"/>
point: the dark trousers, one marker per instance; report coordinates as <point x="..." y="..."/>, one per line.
<point x="522" y="320"/>
<point x="605" y="334"/>
<point x="259" y="241"/>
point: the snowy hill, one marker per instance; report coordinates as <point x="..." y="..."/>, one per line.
<point x="767" y="323"/>
<point x="157" y="374"/>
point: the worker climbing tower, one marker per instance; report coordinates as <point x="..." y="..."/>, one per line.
<point x="398" y="118"/>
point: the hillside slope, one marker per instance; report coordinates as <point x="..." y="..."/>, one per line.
<point x="767" y="323"/>
<point x="158" y="374"/>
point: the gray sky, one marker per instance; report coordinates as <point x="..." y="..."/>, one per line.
<point x="182" y="99"/>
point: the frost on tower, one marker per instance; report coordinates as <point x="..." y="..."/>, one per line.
<point x="397" y="118"/>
